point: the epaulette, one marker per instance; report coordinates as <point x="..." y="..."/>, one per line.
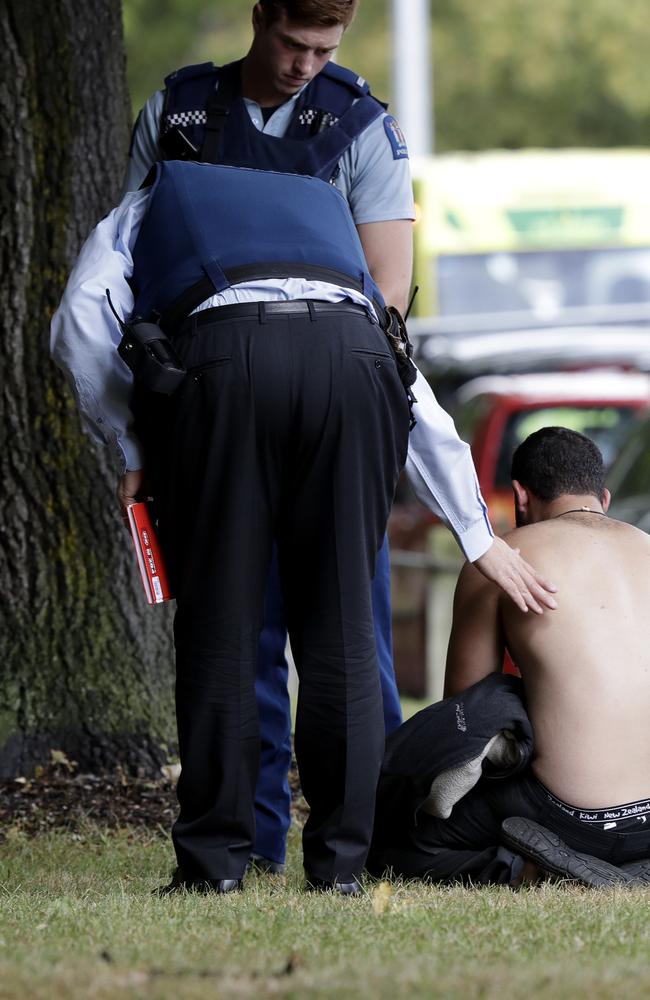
<point x="347" y="76"/>
<point x="189" y="72"/>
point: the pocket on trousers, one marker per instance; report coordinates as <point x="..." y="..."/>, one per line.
<point x="207" y="348"/>
<point x="377" y="367"/>
<point x="373" y="359"/>
<point x="202" y="379"/>
<point x="196" y="371"/>
<point x="371" y="353"/>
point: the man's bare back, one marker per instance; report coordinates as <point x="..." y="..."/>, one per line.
<point x="586" y="667"/>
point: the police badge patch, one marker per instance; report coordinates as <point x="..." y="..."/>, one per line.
<point x="396" y="138"/>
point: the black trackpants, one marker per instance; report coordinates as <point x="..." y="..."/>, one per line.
<point x="466" y="846"/>
<point x="293" y="428"/>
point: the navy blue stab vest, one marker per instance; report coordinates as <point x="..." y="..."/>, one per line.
<point x="207" y="227"/>
<point x="333" y="109"/>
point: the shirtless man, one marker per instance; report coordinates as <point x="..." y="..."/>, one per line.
<point x="586" y="675"/>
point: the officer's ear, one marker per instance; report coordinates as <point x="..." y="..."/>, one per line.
<point x="259" y="21"/>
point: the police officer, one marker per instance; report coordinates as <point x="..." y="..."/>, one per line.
<point x="439" y="463"/>
<point x="286" y="107"/>
<point x="291" y="424"/>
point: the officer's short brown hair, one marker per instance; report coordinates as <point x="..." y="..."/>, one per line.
<point x="324" y="13"/>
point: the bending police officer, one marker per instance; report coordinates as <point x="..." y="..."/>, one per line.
<point x="285" y="106"/>
<point x="290" y="425"/>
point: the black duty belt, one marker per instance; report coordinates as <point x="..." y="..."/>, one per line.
<point x="262" y="310"/>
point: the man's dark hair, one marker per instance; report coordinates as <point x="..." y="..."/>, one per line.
<point x="555" y="462"/>
<point x="324" y="13"/>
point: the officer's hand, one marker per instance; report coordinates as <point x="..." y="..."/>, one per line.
<point x="130" y="489"/>
<point x="504" y="566"/>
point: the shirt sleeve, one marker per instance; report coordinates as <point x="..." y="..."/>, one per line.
<point x="84" y="333"/>
<point x="441" y="471"/>
<point x="144" y="151"/>
<point x="376" y="178"/>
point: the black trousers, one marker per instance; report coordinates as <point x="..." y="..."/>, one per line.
<point x="293" y="428"/>
<point x="466" y="846"/>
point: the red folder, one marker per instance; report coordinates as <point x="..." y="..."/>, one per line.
<point x="147" y="550"/>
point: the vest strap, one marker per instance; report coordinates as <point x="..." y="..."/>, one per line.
<point x="217" y="110"/>
<point x="334" y="141"/>
<point x="216" y="274"/>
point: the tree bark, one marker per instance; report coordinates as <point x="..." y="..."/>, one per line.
<point x="85" y="664"/>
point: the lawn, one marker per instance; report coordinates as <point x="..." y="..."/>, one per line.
<point x="78" y="920"/>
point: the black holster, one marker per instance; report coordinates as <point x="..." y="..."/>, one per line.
<point x="145" y="349"/>
<point x="402" y="348"/>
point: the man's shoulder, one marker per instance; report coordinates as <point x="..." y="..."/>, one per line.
<point x="561" y="535"/>
<point x="525" y="532"/>
<point x="629" y="532"/>
<point x="347" y="78"/>
<point x="192" y="72"/>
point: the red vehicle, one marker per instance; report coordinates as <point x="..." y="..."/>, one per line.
<point x="496" y="413"/>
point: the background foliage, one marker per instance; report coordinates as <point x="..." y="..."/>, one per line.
<point x="507" y="73"/>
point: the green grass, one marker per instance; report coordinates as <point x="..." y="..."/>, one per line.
<point x="77" y="920"/>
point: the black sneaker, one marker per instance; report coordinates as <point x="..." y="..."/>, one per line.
<point x="548" y="851"/>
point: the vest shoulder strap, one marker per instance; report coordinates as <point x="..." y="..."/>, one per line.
<point x="347" y="77"/>
<point x="185" y="110"/>
<point x="189" y="73"/>
<point x="186" y="94"/>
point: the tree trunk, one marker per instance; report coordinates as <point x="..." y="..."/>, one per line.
<point x="85" y="664"/>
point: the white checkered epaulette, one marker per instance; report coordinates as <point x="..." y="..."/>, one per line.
<point x="308" y="116"/>
<point x="183" y="118"/>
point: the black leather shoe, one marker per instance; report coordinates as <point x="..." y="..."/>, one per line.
<point x="341" y="888"/>
<point x="261" y="864"/>
<point x="203" y="886"/>
<point x="546" y="849"/>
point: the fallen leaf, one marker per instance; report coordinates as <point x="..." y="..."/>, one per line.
<point x="171" y="772"/>
<point x="381" y="897"/>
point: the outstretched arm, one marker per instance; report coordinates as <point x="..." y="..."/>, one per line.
<point x="441" y="471"/>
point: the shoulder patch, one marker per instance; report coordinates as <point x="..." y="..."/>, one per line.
<point x="396" y="138"/>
